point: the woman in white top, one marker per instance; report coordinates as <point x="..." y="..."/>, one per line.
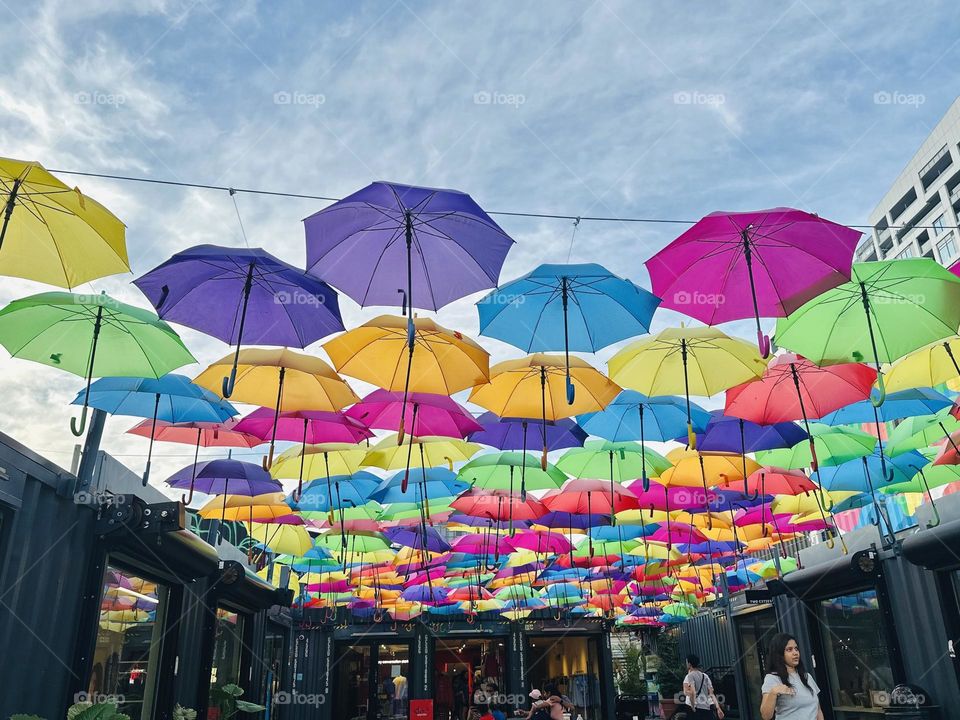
<point x="698" y="691"/>
<point x="789" y="691"/>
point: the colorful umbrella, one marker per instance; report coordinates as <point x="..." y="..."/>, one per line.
<point x="785" y="257"/>
<point x="697" y="361"/>
<point x="933" y="364"/>
<point x="566" y="307"/>
<point x="242" y="295"/>
<point x="432" y="450"/>
<point x="53" y="233"/>
<point x="220" y="477"/>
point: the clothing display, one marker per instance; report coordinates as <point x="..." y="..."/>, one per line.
<point x="400" y="688"/>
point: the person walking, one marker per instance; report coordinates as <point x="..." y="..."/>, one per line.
<point x="698" y="692"/>
<point x="789" y="691"/>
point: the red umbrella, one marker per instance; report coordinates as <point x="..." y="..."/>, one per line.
<point x="499" y="505"/>
<point x="775" y="481"/>
<point x="793" y="388"/>
<point x="590" y="497"/>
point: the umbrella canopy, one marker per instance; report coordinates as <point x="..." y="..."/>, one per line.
<point x="309" y="427"/>
<point x="774" y="481"/>
<point x="220" y="477"/>
<point x="515" y="434"/>
<point x="316" y="461"/>
<point x="499" y="505"/>
<point x="387" y="241"/>
<point x="635" y="416"/>
<point x="53" y="233"/>
<point x="429" y="483"/>
<point x="428" y="451"/>
<point x="507" y="470"/>
<point x="888" y="309"/>
<point x="933" y="364"/>
<point x="315" y="501"/>
<point x="421" y="414"/>
<point x="242" y="295"/>
<point x="66" y="331"/>
<point x="732" y="434"/>
<point x="694" y="361"/>
<point x="834" y="445"/>
<point x="896" y="406"/>
<point x="613" y="461"/>
<point x="914" y="433"/>
<point x="201" y="434"/>
<point x="765" y="263"/>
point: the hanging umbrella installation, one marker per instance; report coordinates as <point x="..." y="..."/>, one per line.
<point x="581" y="308"/>
<point x="66" y="331"/>
<point x="242" y="295"/>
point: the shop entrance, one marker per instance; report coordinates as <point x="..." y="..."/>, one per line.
<point x="754" y="631"/>
<point x="468" y="673"/>
<point x="571" y="664"/>
<point x="373" y="681"/>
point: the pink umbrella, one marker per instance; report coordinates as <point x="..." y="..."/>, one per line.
<point x="540" y="541"/>
<point x="498" y="505"/>
<point x="482" y="544"/>
<point x="765" y="263"/>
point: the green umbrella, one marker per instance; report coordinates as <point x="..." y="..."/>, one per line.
<point x="927" y="477"/>
<point x="91" y="336"/>
<point x="406" y="511"/>
<point x="500" y="470"/>
<point x="613" y="461"/>
<point x="834" y="446"/>
<point x="888" y="309"/>
<point x="355" y="542"/>
<point x="921" y="431"/>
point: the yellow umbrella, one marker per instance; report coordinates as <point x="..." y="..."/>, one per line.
<point x="245" y="508"/>
<point x="536" y="386"/>
<point x="440" y="361"/>
<point x="931" y="365"/>
<point x="295" y="580"/>
<point x="691" y="361"/>
<point x="317" y="461"/>
<point x="282" y="538"/>
<point x="53" y="233"/>
<point x="281" y="379"/>
<point x="655" y="550"/>
<point x="432" y="451"/>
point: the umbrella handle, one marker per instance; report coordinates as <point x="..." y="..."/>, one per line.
<point x="763" y="344"/>
<point x="571" y="390"/>
<point x="267" y="461"/>
<point x="146" y="473"/>
<point x="691" y="436"/>
<point x="187" y="499"/>
<point x="471" y="618"/>
<point x="78" y="431"/>
<point x="229" y="383"/>
<point x="814" y="462"/>
<point x="882" y="391"/>
<point x="543" y="460"/>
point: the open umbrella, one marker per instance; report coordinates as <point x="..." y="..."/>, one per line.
<point x="534" y="387"/>
<point x="65" y="331"/>
<point x="431" y="451"/>
<point x="694" y="361"/>
<point x="931" y="365"/>
<point x="172" y="398"/>
<point x="888" y="309"/>
<point x="566" y="307"/>
<point x="764" y="263"/>
<point x="53" y="233"/>
<point x="242" y="295"/>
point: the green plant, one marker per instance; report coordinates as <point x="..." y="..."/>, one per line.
<point x="182" y="713"/>
<point x="99" y="711"/>
<point x="227" y="698"/>
<point x="21" y="716"/>
<point x="630" y="675"/>
<point x="671" y="671"/>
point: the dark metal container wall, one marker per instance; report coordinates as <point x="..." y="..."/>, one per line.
<point x="45" y="554"/>
<point x="795" y="618"/>
<point x="709" y="636"/>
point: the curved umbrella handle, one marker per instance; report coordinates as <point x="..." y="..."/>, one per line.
<point x="646" y="487"/>
<point x="543" y="460"/>
<point x="814" y="462"/>
<point x="187" y="499"/>
<point x="471" y="618"/>
<point x="571" y="390"/>
<point x="691" y="436"/>
<point x="78" y="431"/>
<point x="146" y="473"/>
<point x="763" y="344"/>
<point x="229" y="383"/>
<point x="882" y="391"/>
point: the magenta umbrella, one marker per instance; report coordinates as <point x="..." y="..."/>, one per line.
<point x="765" y="263"/>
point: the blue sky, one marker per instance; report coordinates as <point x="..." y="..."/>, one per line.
<point x="580" y="108"/>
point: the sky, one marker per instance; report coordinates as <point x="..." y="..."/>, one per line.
<point x="604" y="108"/>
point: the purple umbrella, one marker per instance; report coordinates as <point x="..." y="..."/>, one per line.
<point x="421" y="538"/>
<point x="765" y="263"/>
<point x="242" y="295"/>
<point x="220" y="477"/>
<point x="511" y="433"/>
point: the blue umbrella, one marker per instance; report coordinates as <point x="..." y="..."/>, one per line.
<point x="635" y="416"/>
<point x="352" y="491"/>
<point x="730" y="434"/>
<point x="856" y="474"/>
<point x="242" y="295"/>
<point x="434" y="483"/>
<point x="898" y="405"/>
<point x="171" y="398"/>
<point x="573" y="307"/>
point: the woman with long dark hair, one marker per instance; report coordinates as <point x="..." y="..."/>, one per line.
<point x="789" y="691"/>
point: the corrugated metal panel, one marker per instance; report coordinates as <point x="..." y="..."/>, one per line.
<point x="709" y="636"/>
<point x="46" y="553"/>
<point x="915" y="602"/>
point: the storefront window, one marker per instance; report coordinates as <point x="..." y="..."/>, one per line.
<point x="393" y="680"/>
<point x="857" y="654"/>
<point x="572" y="665"/>
<point x="756" y="630"/>
<point x="468" y="673"/>
<point x="353" y="688"/>
<point x="129" y="641"/>
<point x="226" y="656"/>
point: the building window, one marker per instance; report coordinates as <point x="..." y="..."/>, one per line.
<point x="129" y="641"/>
<point x="906" y="252"/>
<point x="858" y="657"/>
<point x="938" y="225"/>
<point x="947" y="248"/>
<point x="226" y="656"/>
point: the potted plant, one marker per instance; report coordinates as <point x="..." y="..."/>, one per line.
<point x="227" y="699"/>
<point x="670" y="673"/>
<point x="632" y="685"/>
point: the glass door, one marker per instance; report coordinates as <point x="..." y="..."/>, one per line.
<point x="393" y="680"/>
<point x="354" y="686"/>
<point x="373" y="682"/>
<point x="755" y="629"/>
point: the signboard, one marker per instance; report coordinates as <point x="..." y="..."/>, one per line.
<point x="421" y="709"/>
<point x="757" y="597"/>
